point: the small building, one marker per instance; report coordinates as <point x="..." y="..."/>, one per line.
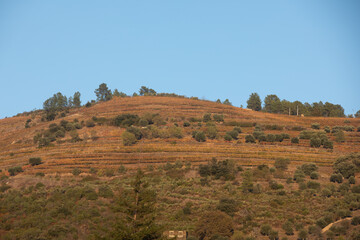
<point x="173" y="234"/>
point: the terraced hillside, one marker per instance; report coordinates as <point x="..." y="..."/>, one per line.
<point x="102" y="147"/>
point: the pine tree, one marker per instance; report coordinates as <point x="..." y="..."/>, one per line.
<point x="139" y="207"/>
<point x="103" y="93"/>
<point x="254" y="102"/>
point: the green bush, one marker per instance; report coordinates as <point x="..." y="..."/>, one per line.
<point x="122" y="169"/>
<point x="200" y="136"/>
<point x="314" y="175"/>
<point x="308" y="168"/>
<point x="105" y="192"/>
<point x="356" y="189"/>
<point x="35" y="161"/>
<point x="4" y="187"/>
<point x="126" y="120"/>
<point x="238" y="129"/>
<point x="89" y="193"/>
<point x="40" y="174"/>
<point x="186" y="124"/>
<point x="302" y="234"/>
<point x="76" y="171"/>
<point x="136" y="131"/>
<point x="227" y="137"/>
<point x="315" y="125"/>
<point x="262" y="138"/>
<point x="175" y="132"/>
<point x="352" y="180"/>
<point x="327" y="129"/>
<point x="218" y="118"/>
<point x="90" y="123"/>
<point x="249" y="139"/>
<point x="15" y="170"/>
<point x="288" y="228"/>
<point x="328" y="144"/>
<point x="295" y="140"/>
<point x="285" y="136"/>
<point x="265" y="229"/>
<point x="211" y="132"/>
<point x="315" y="142"/>
<point x="355" y="221"/>
<point x="270" y="138"/>
<point x="339" y="136"/>
<point x="347" y="165"/>
<point x="207" y="117"/>
<point x="279" y="137"/>
<point x="275" y="186"/>
<point x="128" y="138"/>
<point x="336" y="178"/>
<point x="313" y="185"/>
<point x="234" y="134"/>
<point x="228" y="206"/>
<point x="282" y="163"/>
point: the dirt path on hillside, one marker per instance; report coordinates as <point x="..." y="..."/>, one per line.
<point x="330" y="225"/>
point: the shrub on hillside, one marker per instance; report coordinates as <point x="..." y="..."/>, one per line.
<point x="285" y="135"/>
<point x="327" y="129"/>
<point x="15" y="170"/>
<point x="308" y="168"/>
<point x="211" y="132"/>
<point x="218" y="118"/>
<point x="126" y="120"/>
<point x="265" y="229"/>
<point x="328" y="144"/>
<point x="351" y="180"/>
<point x="288" y="228"/>
<point x="238" y="129"/>
<point x="282" y="163"/>
<point x="35" y="161"/>
<point x="105" y="192"/>
<point x="347" y="165"/>
<point x="338" y="178"/>
<point x="279" y="137"/>
<point x="234" y="134"/>
<point x="76" y="171"/>
<point x="136" y="131"/>
<point x="227" y="137"/>
<point x="90" y="123"/>
<point x="212" y="223"/>
<point x="315" y="126"/>
<point x="200" y="136"/>
<point x="270" y="138"/>
<point x="313" y="185"/>
<point x="128" y="138"/>
<point x="186" y="124"/>
<point x="346" y="128"/>
<point x="314" y="175"/>
<point x="339" y="136"/>
<point x="219" y="169"/>
<point x="249" y="139"/>
<point x="207" y="117"/>
<point x="228" y="206"/>
<point x="315" y="142"/>
<point x="295" y="140"/>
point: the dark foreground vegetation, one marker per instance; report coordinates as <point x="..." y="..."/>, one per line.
<point x="217" y="200"/>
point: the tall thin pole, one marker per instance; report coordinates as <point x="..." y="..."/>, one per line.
<point x="297" y="110"/>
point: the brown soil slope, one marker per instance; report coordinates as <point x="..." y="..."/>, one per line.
<point x="16" y="141"/>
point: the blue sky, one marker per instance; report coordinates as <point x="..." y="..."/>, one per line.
<point x="298" y="50"/>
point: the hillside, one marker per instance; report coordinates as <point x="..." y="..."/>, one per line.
<point x="74" y="177"/>
<point x="107" y="151"/>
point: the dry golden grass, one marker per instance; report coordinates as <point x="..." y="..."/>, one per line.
<point x="16" y="145"/>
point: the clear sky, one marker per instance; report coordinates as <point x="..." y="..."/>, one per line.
<point x="299" y="50"/>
